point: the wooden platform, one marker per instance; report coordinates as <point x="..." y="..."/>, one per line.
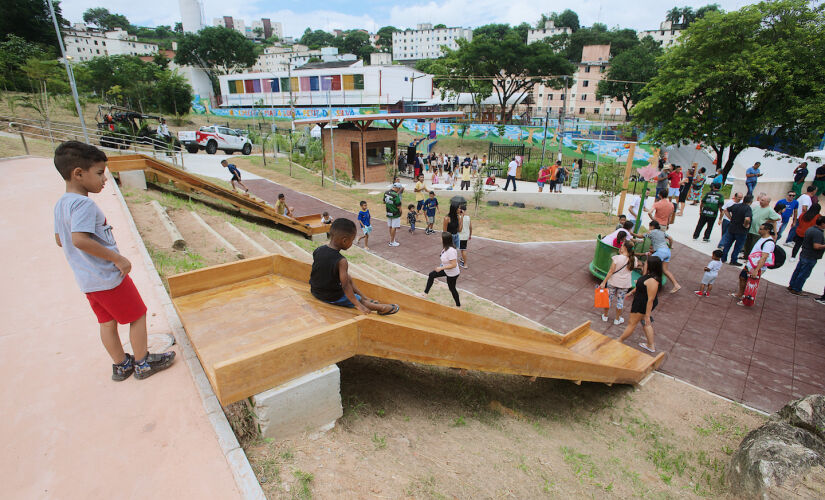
<point x="255" y="325"/>
<point x="161" y="172"/>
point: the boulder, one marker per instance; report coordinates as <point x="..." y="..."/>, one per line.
<point x="784" y="458"/>
<point x="492" y="203"/>
<point x="518" y="204"/>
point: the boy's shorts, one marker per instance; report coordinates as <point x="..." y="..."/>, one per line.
<point x="673" y="191"/>
<point x="431" y="219"/>
<point x="345" y="302"/>
<point x="663" y="253"/>
<point x="462" y="245"/>
<point x="366" y="229"/>
<point x="121" y="303"/>
<point x="235" y="178"/>
<point x="394" y="222"/>
<point x="709" y="278"/>
<point x="541" y="184"/>
<point x="419" y="204"/>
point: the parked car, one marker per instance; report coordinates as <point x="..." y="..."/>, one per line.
<point x="214" y="137"/>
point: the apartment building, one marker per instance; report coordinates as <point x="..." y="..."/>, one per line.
<point x="424" y="42"/>
<point x="84" y="43"/>
<point x="667" y="35"/>
<point x="280" y="56"/>
<point x="581" y="96"/>
<point x="260" y="29"/>
<point x="548" y="31"/>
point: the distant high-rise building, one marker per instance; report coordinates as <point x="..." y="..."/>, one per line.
<point x="549" y="29"/>
<point x="424" y="42"/>
<point x="667" y="35"/>
<point x="191" y="15"/>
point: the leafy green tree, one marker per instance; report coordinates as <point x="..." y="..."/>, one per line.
<point x="674" y="15"/>
<point x="358" y="43"/>
<point x="707" y="9"/>
<point x="14" y="52"/>
<point x="492" y="31"/>
<point x="48" y="71"/>
<point x="741" y="75"/>
<point x="566" y="19"/>
<point x="452" y="79"/>
<point x="179" y="28"/>
<point x="637" y="64"/>
<point x="509" y="64"/>
<point x="172" y="93"/>
<point x="598" y="34"/>
<point x="103" y="19"/>
<point x="385" y="37"/>
<point x="30" y="20"/>
<point x="439" y="26"/>
<point x="217" y="50"/>
<point x="317" y="39"/>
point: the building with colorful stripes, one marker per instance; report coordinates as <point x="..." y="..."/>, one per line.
<point x="321" y="84"/>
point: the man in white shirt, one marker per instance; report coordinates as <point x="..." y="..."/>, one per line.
<point x="805" y="202"/>
<point x="757" y="259"/>
<point x="511" y="174"/>
<point x="724" y="220"/>
<point x="633" y="208"/>
<point x="163" y="129"/>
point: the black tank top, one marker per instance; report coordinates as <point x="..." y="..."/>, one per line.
<point x="640" y="298"/>
<point x="452" y="226"/>
<point x="324" y="282"/>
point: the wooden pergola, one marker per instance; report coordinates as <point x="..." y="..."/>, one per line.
<point x="363" y="122"/>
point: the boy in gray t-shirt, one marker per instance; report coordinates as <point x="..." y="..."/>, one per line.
<point x="81" y="229"/>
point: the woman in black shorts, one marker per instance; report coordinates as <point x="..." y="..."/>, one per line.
<point x="644" y="301"/>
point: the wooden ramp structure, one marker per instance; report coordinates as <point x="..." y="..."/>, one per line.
<point x="255" y="325"/>
<point x="161" y="172"/>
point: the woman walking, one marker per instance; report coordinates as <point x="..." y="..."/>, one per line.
<point x="448" y="268"/>
<point x="644" y="302"/>
<point x="695" y="194"/>
<point x="684" y="189"/>
<point x="804" y="223"/>
<point x="453" y="223"/>
<point x="577" y="174"/>
<point x="618" y="281"/>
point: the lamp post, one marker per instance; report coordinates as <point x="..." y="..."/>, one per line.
<point x="69" y="72"/>
<point x="561" y="118"/>
<point x="412" y="85"/>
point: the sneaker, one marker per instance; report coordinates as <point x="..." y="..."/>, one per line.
<point x="734" y="263"/>
<point x="604" y="317"/>
<point x="698" y="292"/>
<point x="462" y="265"/>
<point x="795" y="292"/>
<point x="153" y="363"/>
<point x="820" y="300"/>
<point x="122" y="371"/>
<point x="707" y="294"/>
<point x="618" y="321"/>
<point x="706" y="241"/>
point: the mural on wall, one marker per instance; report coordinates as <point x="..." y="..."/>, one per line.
<point x="201" y="106"/>
<point x="573" y="143"/>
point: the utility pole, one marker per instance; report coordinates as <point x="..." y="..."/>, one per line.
<point x="544" y="137"/>
<point x="561" y="118"/>
<point x="331" y="137"/>
<point x="70" y="73"/>
<point x="291" y="115"/>
<point x="601" y="131"/>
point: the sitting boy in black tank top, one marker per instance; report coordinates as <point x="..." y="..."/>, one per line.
<point x="330" y="281"/>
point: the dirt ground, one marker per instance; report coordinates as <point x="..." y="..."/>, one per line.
<point x="414" y="431"/>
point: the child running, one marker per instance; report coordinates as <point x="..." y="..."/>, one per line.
<point x="711" y="272"/>
<point x="364" y="222"/>
<point x="412" y="216"/>
<point x="448" y="268"/>
<point x="618" y="280"/>
<point x="236" y="175"/>
<point x="329" y="280"/>
<point x="430" y="209"/>
<point x="102" y="273"/>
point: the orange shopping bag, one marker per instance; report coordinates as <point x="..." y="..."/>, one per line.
<point x="601" y="300"/>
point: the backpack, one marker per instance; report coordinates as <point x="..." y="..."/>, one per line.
<point x="778" y="257"/>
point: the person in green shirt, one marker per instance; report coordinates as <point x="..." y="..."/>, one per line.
<point x="392" y="200"/>
<point x="708" y="211"/>
<point x="763" y="214"/>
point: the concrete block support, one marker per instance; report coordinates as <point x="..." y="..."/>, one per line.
<point x="178" y="243"/>
<point x="311" y="403"/>
<point x="134" y="179"/>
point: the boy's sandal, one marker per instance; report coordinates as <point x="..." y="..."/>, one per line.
<point x="393" y="310"/>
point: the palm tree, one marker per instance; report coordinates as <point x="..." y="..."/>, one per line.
<point x="688" y="16"/>
<point x="674" y="15"/>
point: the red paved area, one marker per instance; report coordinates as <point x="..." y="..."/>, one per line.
<point x="762" y="356"/>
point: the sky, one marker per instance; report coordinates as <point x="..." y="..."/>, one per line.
<point x="297" y="15"/>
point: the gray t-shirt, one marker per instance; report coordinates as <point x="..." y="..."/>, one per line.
<point x="75" y="213"/>
<point x="658" y="239"/>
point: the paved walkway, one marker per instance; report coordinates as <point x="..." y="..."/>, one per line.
<point x="68" y="430"/>
<point x="762" y="356"/>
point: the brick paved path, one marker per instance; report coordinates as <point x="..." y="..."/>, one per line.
<point x="762" y="356"/>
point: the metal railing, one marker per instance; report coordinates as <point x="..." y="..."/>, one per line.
<point x="57" y="132"/>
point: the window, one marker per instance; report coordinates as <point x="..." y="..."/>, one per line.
<point x="581" y="111"/>
<point x="377" y="150"/>
<point x="587" y="69"/>
<point x="561" y="97"/>
<point x="104" y="43"/>
<point x="601" y="70"/>
<point x="95" y="42"/>
<point x="549" y="97"/>
<point x="584" y="97"/>
<point x="596" y="110"/>
<point x="585" y="83"/>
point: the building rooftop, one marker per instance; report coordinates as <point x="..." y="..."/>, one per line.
<point x="330" y="64"/>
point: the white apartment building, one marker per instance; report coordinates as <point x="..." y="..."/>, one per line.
<point x="279" y="57"/>
<point x="380" y="59"/>
<point x="267" y="27"/>
<point x="84" y="43"/>
<point x="424" y="42"/>
<point x="549" y="30"/>
<point x="667" y="35"/>
<point x="581" y="96"/>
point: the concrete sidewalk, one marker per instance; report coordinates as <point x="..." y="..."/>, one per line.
<point x="68" y="430"/>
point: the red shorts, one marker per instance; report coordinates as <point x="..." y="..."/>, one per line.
<point x="122" y="303"/>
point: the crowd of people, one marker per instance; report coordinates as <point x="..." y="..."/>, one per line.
<point x="444" y="170"/>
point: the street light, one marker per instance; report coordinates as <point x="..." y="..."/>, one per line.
<point x="412" y="85"/>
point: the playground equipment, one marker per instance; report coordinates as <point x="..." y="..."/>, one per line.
<point x="161" y="172"/>
<point x="602" y="258"/>
<point x="255" y="325"/>
<point x="119" y="127"/>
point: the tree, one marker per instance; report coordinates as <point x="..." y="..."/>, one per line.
<point x="14" y="52"/>
<point x="451" y="79"/>
<point x="740" y="75"/>
<point x="637" y="64"/>
<point x="598" y="34"/>
<point x="259" y="32"/>
<point x="510" y="64"/>
<point x="357" y="42"/>
<point x="674" y="15"/>
<point x="688" y="16"/>
<point x="179" y="28"/>
<point x="31" y="21"/>
<point x="439" y="26"/>
<point x="317" y="39"/>
<point x="385" y="37"/>
<point x="172" y="93"/>
<point x="105" y="20"/>
<point x="707" y="9"/>
<point x="218" y="50"/>
<point x="565" y="19"/>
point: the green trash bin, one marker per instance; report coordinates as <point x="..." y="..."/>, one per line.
<point x="603" y="257"/>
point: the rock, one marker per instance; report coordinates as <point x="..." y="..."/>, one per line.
<point x="518" y="204"/>
<point x="807" y="413"/>
<point x="539" y="208"/>
<point x="785" y="458"/>
<point x="505" y="204"/>
<point x="493" y="203"/>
